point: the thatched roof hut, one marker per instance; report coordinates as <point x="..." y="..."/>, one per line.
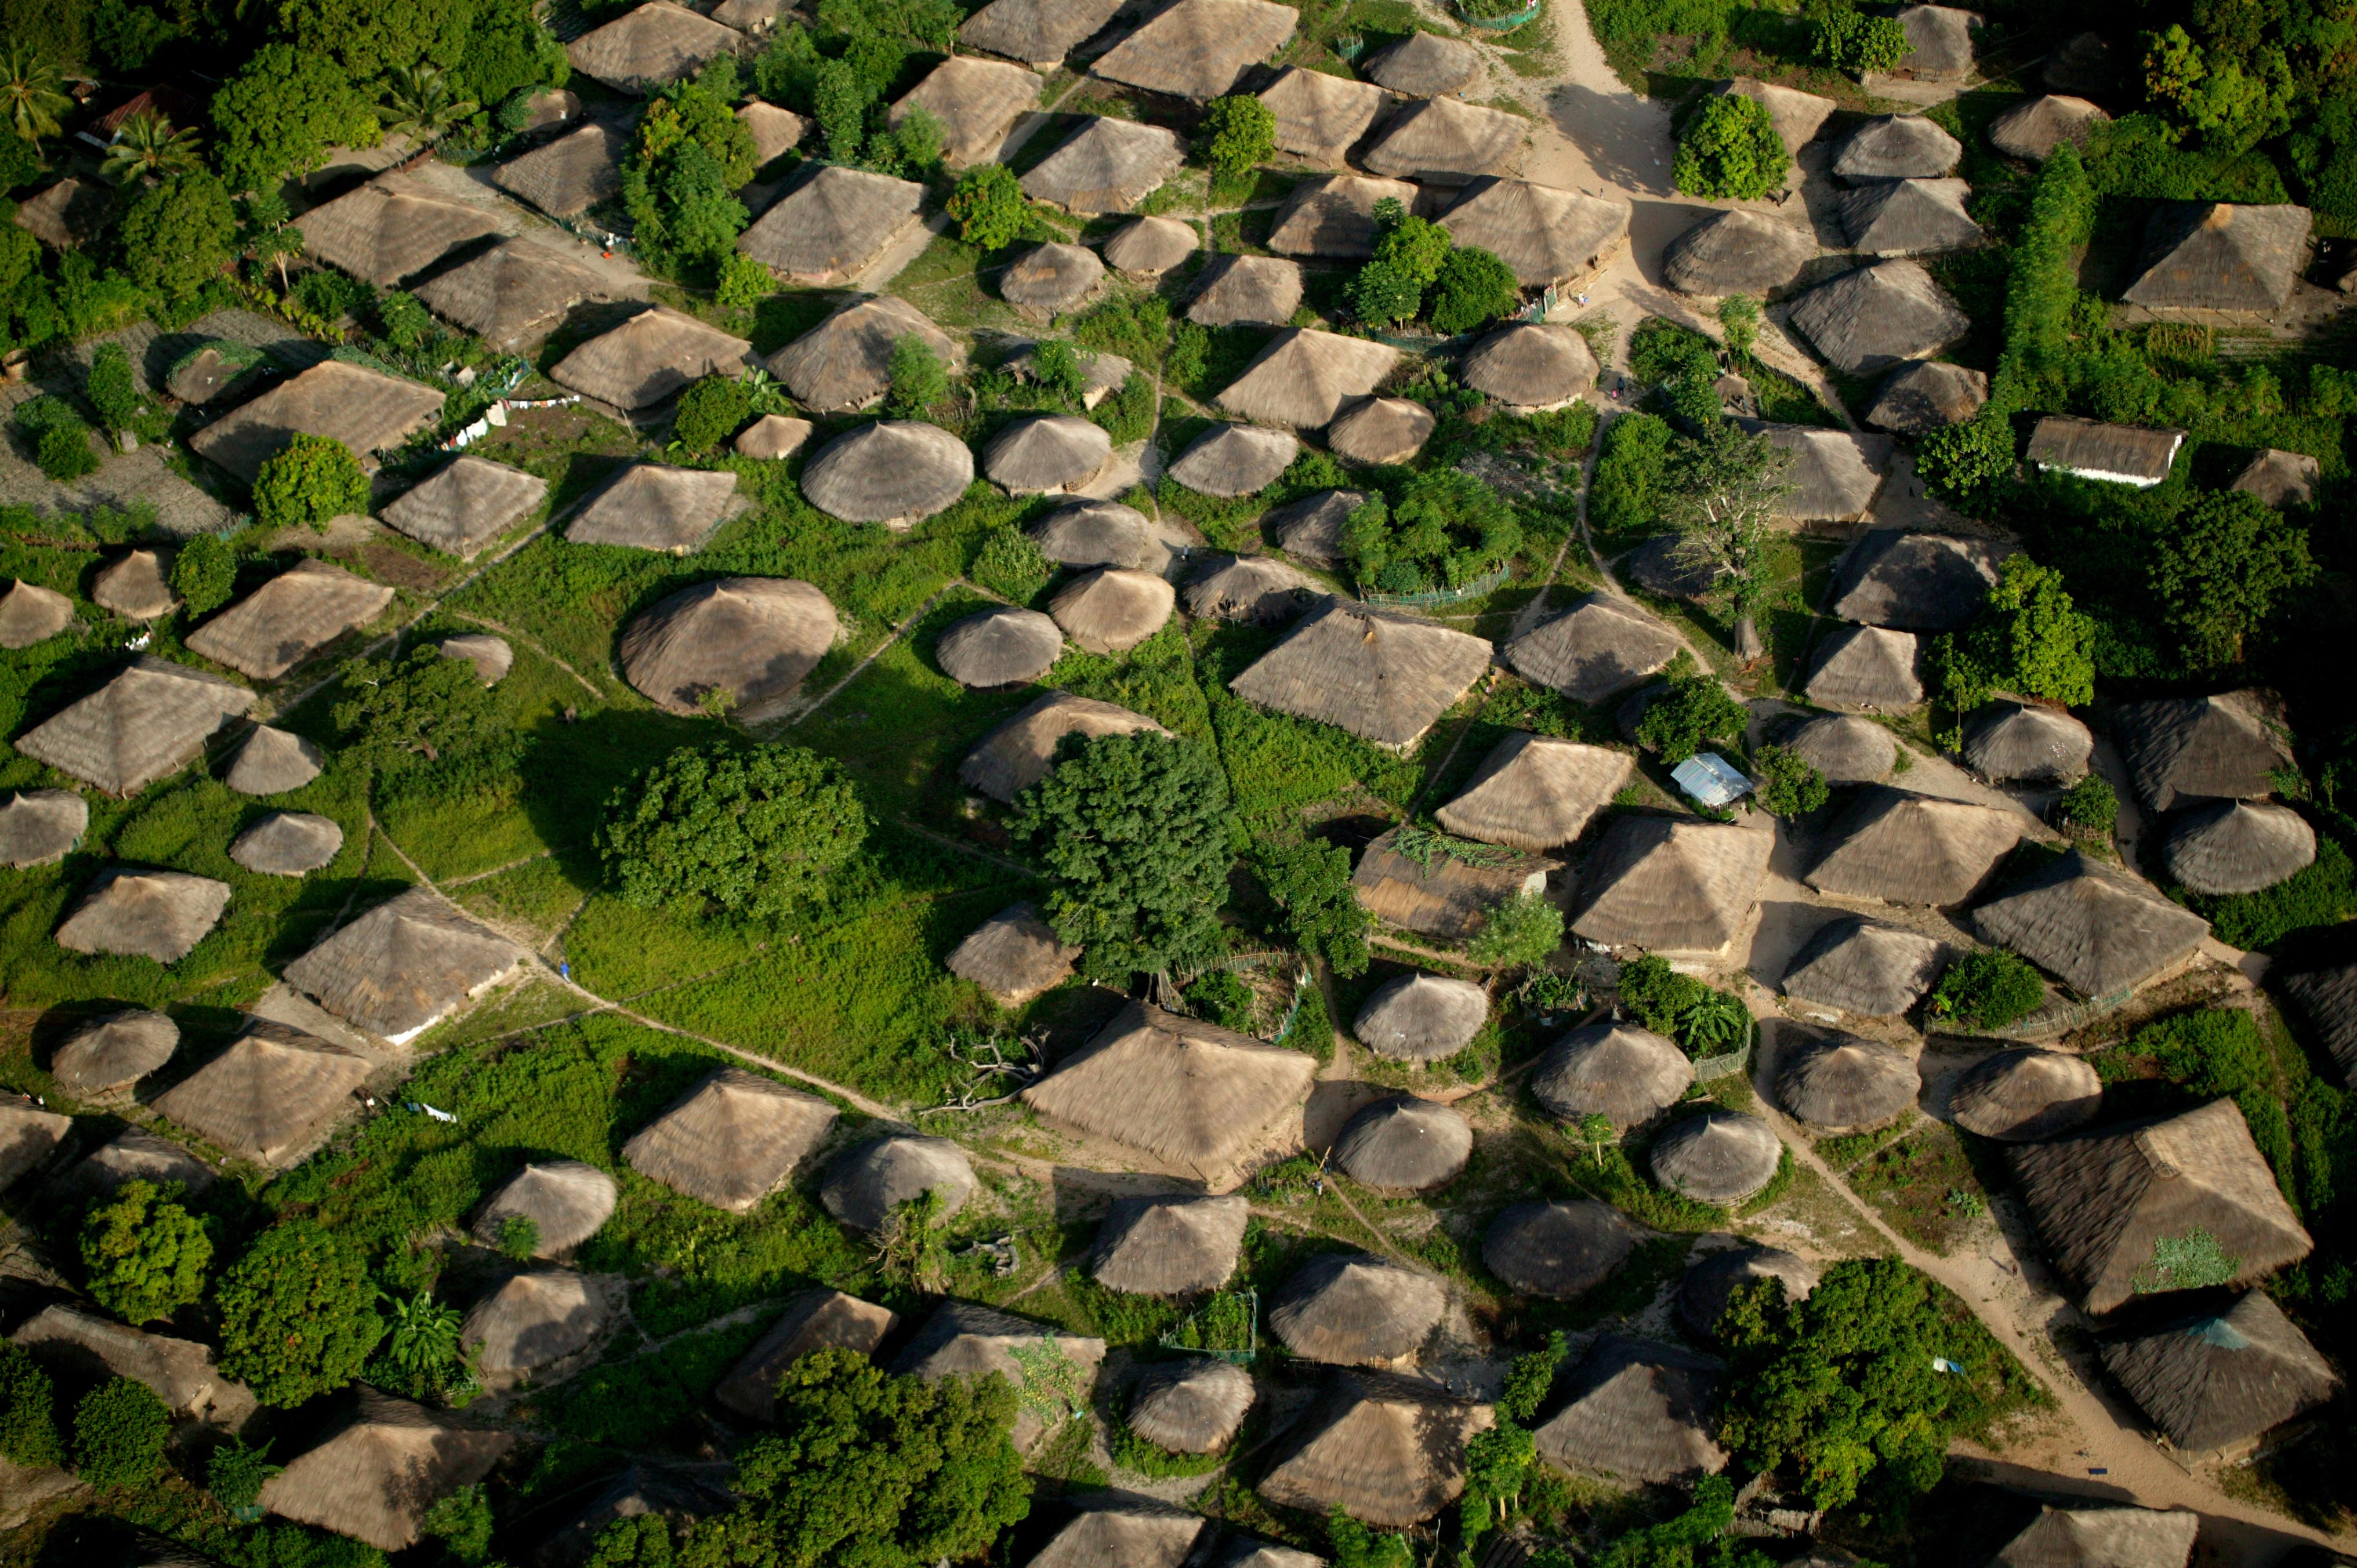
<point x="2093" y="927"/>
<point x="2327" y="995"/>
<point x="1019" y="753"/>
<point x="1916" y="581"/>
<point x="287" y="843"/>
<point x="1014" y="955"/>
<point x="367" y="410"/>
<point x="1874" y="317"/>
<point x="405" y="966"/>
<point x="535" y="1320"/>
<point x="866" y="1184"/>
<point x="1926" y="396"/>
<point x="114" y="1051"/>
<point x="490" y="657"/>
<point x="1797" y="116"/>
<point x="1040" y="33"/>
<point x="180" y="1372"/>
<point x="1545" y="234"/>
<point x="2218" y="1379"/>
<point x="1382" y="675"/>
<point x="832" y="224"/>
<point x="1387" y="1451"/>
<point x="730" y="1140"/>
<point x="137" y="587"/>
<point x="1736" y="252"/>
<point x="1169" y="1246"/>
<point x="1114" y="1529"/>
<point x="1897" y="146"/>
<point x="1108" y="166"/>
<point x="1669" y="885"/>
<point x="1003" y="646"/>
<point x="774" y="130"/>
<point x="567" y="1201"/>
<point x="1258" y="589"/>
<point x="1865" y="967"/>
<point x="1531" y="365"/>
<point x="1333" y="216"/>
<point x="67" y="213"/>
<point x="465" y="504"/>
<point x="1311" y="528"/>
<point x="1618" y="1071"/>
<point x="1112" y="609"/>
<point x="2102" y="1537"/>
<point x="1909" y="216"/>
<point x="1536" y="792"/>
<point x="814" y="1320"/>
<point x="1404" y="1145"/>
<point x="1199" y="49"/>
<point x="512" y="294"/>
<point x="1595" y="648"/>
<point x="384" y="231"/>
<point x="1424" y="65"/>
<point x="651" y="46"/>
<point x="1381" y="430"/>
<point x="2219" y="256"/>
<point x="773" y="437"/>
<point x="1717" y="1156"/>
<point x="636" y="1490"/>
<point x="1354" y="1309"/>
<point x="1305" y="377"/>
<point x="28" y="1136"/>
<point x="2278" y="478"/>
<point x="1048" y="280"/>
<point x="845" y="361"/>
<point x="375" y="1479"/>
<point x="273" y="762"/>
<point x="1188" y="1096"/>
<point x="966" y="1340"/>
<point x="1844" y="747"/>
<point x="1082" y="533"/>
<point x="147" y="721"/>
<point x="2032" y="131"/>
<point x="1261" y="291"/>
<point x="1194" y="1406"/>
<point x="39" y="827"/>
<point x="1904" y="848"/>
<point x="1707" y="1285"/>
<point x="1243" y="1551"/>
<point x="134" y="1155"/>
<point x="1040" y="453"/>
<point x="271" y="1097"/>
<point x="2114" y="453"/>
<point x="159" y="914"/>
<point x="1658" y="566"/>
<point x="1939" y="42"/>
<point x="649" y="356"/>
<point x="892" y="471"/>
<point x="30" y="614"/>
<point x="571" y="174"/>
<point x="2022" y="1095"/>
<point x="1560" y="1250"/>
<point x="1868" y="667"/>
<point x="1442" y="894"/>
<point x="1442" y="141"/>
<point x="1321" y="118"/>
<point x="1229" y="460"/>
<point x="1145" y="248"/>
<point x="2237" y="846"/>
<point x="1638" y="1411"/>
<point x="1835" y="473"/>
<point x="975" y="101"/>
<point x="2182" y="749"/>
<point x="2014" y="740"/>
<point x="1421" y="1018"/>
<point x="289" y="618"/>
<point x="1839" y="1083"/>
<point x="754" y="638"/>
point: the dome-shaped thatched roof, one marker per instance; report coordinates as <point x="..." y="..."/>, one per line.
<point x="1839" y="1083"/>
<point x="1193" y="1406"/>
<point x="1422" y="1017"/>
<point x="1424" y="65"/>
<point x="1110" y="165"/>
<point x="1543" y="234"/>
<point x="1844" y="747"/>
<point x="1903" y="848"/>
<point x="1925" y="397"/>
<point x="1048" y="280"/>
<point x="1531" y="364"/>
<point x="1040" y="33"/>
<point x="1382" y="675"/>
<point x="2023" y="1094"/>
<point x="1736" y="252"/>
<point x="1043" y="452"/>
<point x="1234" y="461"/>
<point x="1319" y="118"/>
<point x="159" y="914"/>
<point x="1595" y="648"/>
<point x="1875" y="317"/>
<point x="2091" y="925"/>
<point x="145" y="723"/>
<point x="138" y="586"/>
<point x="1536" y="792"/>
<point x="375" y="1479"/>
<point x="1897" y="146"/>
<point x="1865" y="967"/>
<point x="1311" y="528"/>
<point x="1353" y="1309"/>
<point x="39" y="827"/>
<point x="1381" y="430"/>
<point x="465" y="505"/>
<point x="772" y="437"/>
<point x="1442" y="141"/>
<point x="2098" y="1536"/>
<point x="651" y="506"/>
<point x="275" y="762"/>
<point x="133" y="1154"/>
<point x="30" y="614"/>
<point x="1868" y="667"/>
<point x="2223" y="1376"/>
<point x="1916" y="581"/>
<point x="490" y="656"/>
<point x="1305" y="378"/>
<point x="1637" y="1410"/>
<point x="1258" y="589"/>
<point x="1404" y="1145"/>
<point x="730" y="1140"/>
<point x="1718" y="1156"/>
<point x="866" y="1184"/>
<point x="1003" y="646"/>
<point x="1111" y="609"/>
<point x="289" y="618"/>
<point x="2180" y="749"/>
<point x="567" y="1201"/>
<point x="2012" y="740"/>
<point x="2032" y="131"/>
<point x="1148" y="247"/>
<point x="114" y="1051"/>
<point x="653" y="44"/>
<point x="404" y="964"/>
<point x="2237" y="846"/>
<point x="894" y="470"/>
<point x="1622" y="1071"/>
<point x="1199" y="49"/>
<point x="289" y="843"/>
<point x="1333" y="216"/>
<point x="1387" y="1451"/>
<point x="535" y="1320"/>
<point x="1085" y="533"/>
<point x="966" y="1340"/>
<point x="814" y="1320"/>
<point x="845" y="361"/>
<point x="271" y="1097"/>
<point x="1558" y="1249"/>
<point x="1019" y="753"/>
<point x="1704" y="1292"/>
<point x="1014" y="955"/>
<point x="1169" y="1246"/>
<point x="1670" y="885"/>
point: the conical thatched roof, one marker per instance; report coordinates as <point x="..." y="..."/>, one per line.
<point x="1736" y="252"/>
<point x="1926" y="396"/>
<point x="1193" y="1406"/>
<point x="1669" y="885"/>
<point x="730" y="1140"/>
<point x="1382" y="675"/>
<point x="1839" y="1083"/>
<point x="1258" y="589"/>
<point x="1422" y="1017"/>
<point x="1111" y="609"/>
<point x="975" y="101"/>
<point x="773" y="437"/>
<point x="567" y="1201"/>
<point x="28" y="1136"/>
<point x="1108" y="166"/>
<point x="135" y="1155"/>
<point x="2083" y="62"/>
<point x="648" y="358"/>
<point x="1113" y="1530"/>
<point x="2224" y="1376"/>
<point x="1798" y="116"/>
<point x="845" y="361"/>
<point x="1620" y="1071"/>
<point x="1014" y="955"/>
<point x="1530" y="364"/>
<point x="512" y="294"/>
<point x="403" y="965"/>
<point x="1868" y="667"/>
<point x="1846" y="748"/>
<point x="866" y="1184"/>
<point x="752" y="637"/>
<point x="1536" y="792"/>
<point x="271" y="1097"/>
<point x="180" y="1372"/>
<point x="1939" y="42"/>
<point x="1305" y="377"/>
<point x="1356" y="1309"/>
<point x="1545" y="234"/>
<point x="1199" y="49"/>
<point x="67" y="213"/>
<point x="375" y="1479"/>
<point x="1387" y="1451"/>
<point x="1916" y="581"/>
<point x="2278" y="478"/>
<point x="1904" y="848"/>
<point x="774" y="130"/>
<point x="1703" y="1293"/>
<point x="30" y="614"/>
<point x="1192" y="1098"/>
<point x="384" y="231"/>
<point x="1040" y="33"/>
<point x="114" y="1051"/>
<point x="1262" y="291"/>
<point x="2101" y="1537"/>
<point x="1596" y="649"/>
<point x="2013" y="741"/>
<point x="367" y="410"/>
<point x="1094" y="533"/>
<point x="159" y="914"/>
<point x="287" y="843"/>
<point x="1048" y="280"/>
<point x="273" y="762"/>
<point x="1443" y="141"/>
<point x="2095" y="928"/>
<point x="638" y="1489"/>
<point x="1003" y="646"/>
<point x="1042" y="452"/>
<point x="1019" y="753"/>
<point x="1876" y="317"/>
<point x="892" y="470"/>
<point x="289" y="618"/>
<point x="1381" y="430"/>
<point x="2180" y="749"/>
<point x="814" y="1320"/>
<point x="39" y="827"/>
<point x="1835" y="475"/>
<point x="1311" y="528"/>
<point x="1424" y="65"/>
<point x="1909" y="216"/>
<point x="832" y="224"/>
<point x="1865" y="967"/>
<point x="1638" y="1411"/>
<point x="1897" y="146"/>
<point x="137" y="587"/>
<point x="651" y="46"/>
<point x="1559" y="1249"/>
<point x="2237" y="846"/>
<point x="465" y="504"/>
<point x="1404" y="1145"/>
<point x="1148" y="247"/>
<point x="1231" y="460"/>
<point x="965" y="1340"/>
<point x="1169" y="1246"/>
<point x="490" y="656"/>
<point x="2022" y="1095"/>
<point x="1322" y="117"/>
<point x="2328" y="995"/>
<point x="2219" y="256"/>
<point x="571" y="174"/>
<point x="1333" y="216"/>
<point x="2036" y="128"/>
<point x="536" y="1319"/>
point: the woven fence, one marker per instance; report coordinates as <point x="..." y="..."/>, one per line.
<point x="2050" y="1021"/>
<point x="1706" y="1068"/>
<point x="1507" y="23"/>
<point x="1486" y="582"/>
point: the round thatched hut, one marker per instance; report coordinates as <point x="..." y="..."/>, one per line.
<point x="866" y="1184"/>
<point x="1404" y="1145"/>
<point x="30" y="614"/>
<point x="1193" y="1406"/>
<point x="1148" y="247"/>
<point x="1703" y="1293"/>
<point x="1112" y="609"/>
<point x="1619" y="1071"/>
<point x="1865" y="967"/>
<point x="1381" y="430"/>
<point x="533" y="1321"/>
<point x="1718" y="1156"/>
<point x="1868" y="667"/>
<point x="1897" y="146"/>
<point x="1558" y="1249"/>
<point x="490" y="656"/>
<point x="1389" y="1451"/>
<point x="1256" y="589"/>
<point x="1169" y="1246"/>
<point x="137" y="587"/>
<point x="40" y="827"/>
<point x="1022" y="751"/>
<point x="1003" y="646"/>
<point x="1355" y="1310"/>
<point x="1048" y="280"/>
<point x="1839" y="1083"/>
<point x="289" y="843"/>
<point x="893" y="472"/>
<point x="1844" y="747"/>
<point x="2022" y="1095"/>
<point x="1422" y="1017"/>
<point x="1247" y="291"/>
<point x="750" y="638"/>
<point x="1014" y="955"/>
<point x="1095" y="533"/>
<point x="2032" y="131"/>
<point x="2237" y="846"/>
<point x="565" y="1201"/>
<point x="273" y="762"/>
<point x="1045" y="452"/>
<point x="2221" y="1377"/>
<point x="114" y="1051"/>
<point x="1531" y="365"/>
<point x="2011" y="740"/>
<point x="1117" y="1530"/>
<point x="1234" y="461"/>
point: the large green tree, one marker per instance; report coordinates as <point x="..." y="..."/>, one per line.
<point x="179" y="236"/>
<point x="2219" y="571"/>
<point x="309" y="483"/>
<point x="1311" y="884"/>
<point x="1729" y="151"/>
<point x="282" y="112"/>
<point x="422" y="706"/>
<point x="145" y="1256"/>
<point x="2029" y="639"/>
<point x="754" y="830"/>
<point x="1718" y="492"/>
<point x="298" y="1313"/>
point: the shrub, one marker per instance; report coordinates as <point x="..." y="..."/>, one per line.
<point x="920" y="379"/>
<point x="145" y="1257"/>
<point x="988" y="206"/>
<point x="28" y="1419"/>
<point x="752" y="831"/>
<point x="1311" y="884"/>
<point x="1789" y="783"/>
<point x="329" y="296"/>
<point x="1056" y="369"/>
<point x="1383" y="295"/>
<point x="1241" y="132"/>
<point x="709" y="412"/>
<point x="519" y="1237"/>
<point x="1474" y="288"/>
<point x="314" y="478"/>
<point x="1987" y="989"/>
<point x="63" y="452"/>
<point x="2029" y="639"/>
<point x="110" y="389"/>
<point x="1415" y="248"/>
<point x="424" y="705"/>
<point x="744" y="283"/>
<point x="1729" y="151"/>
<point x="236" y="1474"/>
<point x="2322" y="893"/>
<point x="1223" y="999"/>
<point x="1010" y="565"/>
<point x="298" y="1313"/>
<point x="1852" y="41"/>
<point x="1704" y="1021"/>
<point x="401" y="320"/>
<point x="462" y="1523"/>
<point x="2091" y="805"/>
<point x="1449" y="528"/>
<point x="204" y="574"/>
<point x="1692" y="710"/>
<point x="1520" y="933"/>
<point x="2217" y="573"/>
<point x="1661" y="351"/>
<point x="120" y="1430"/>
<point x="179" y="236"/>
<point x="919" y="138"/>
<point x="1623" y="497"/>
<point x="1963" y="458"/>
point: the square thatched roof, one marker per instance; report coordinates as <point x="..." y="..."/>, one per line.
<point x="150" y="720"/>
<point x="1909" y="216"/>
<point x="463" y="507"/>
<point x="1596" y="648"/>
<point x="832" y="224"/>
<point x="1447" y="142"/>
<point x="67" y="213"/>
<point x="1040" y="33"/>
<point x="28" y="1135"/>
<point x="367" y="410"/>
<point x="2097" y="1536"/>
<point x="1107" y="165"/>
<point x="656" y="44"/>
<point x="1382" y="675"/>
<point x="2223" y="1376"/>
<point x="1304" y="377"/>
<point x="1322" y="117"/>
<point x="289" y="618"/>
<point x="1670" y="885"/>
<point x="976" y="102"/>
<point x="1546" y="235"/>
<point x="1835" y="473"/>
<point x="160" y="915"/>
<point x="845" y="361"/>
<point x="1917" y="582"/>
<point x="271" y="1097"/>
<point x="1199" y="49"/>
<point x="1334" y="215"/>
<point x="2122" y="454"/>
<point x="2220" y="256"/>
<point x="647" y="506"/>
<point x="512" y="294"/>
<point x="374" y="1479"/>
<point x="1385" y="1450"/>
<point x="965" y="1339"/>
<point x="1904" y="848"/>
<point x="1639" y="1410"/>
<point x="2095" y="928"/>
<point x="403" y="965"/>
<point x="571" y="174"/>
<point x="1874" y="317"/>
<point x="1736" y="252"/>
<point x="814" y="1320"/>
<point x="386" y="231"/>
<point x="730" y="1140"/>
<point x="1868" y="667"/>
<point x="1536" y="792"/>
<point x="648" y="358"/>
<point x="1443" y="893"/>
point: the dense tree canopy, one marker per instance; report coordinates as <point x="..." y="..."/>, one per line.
<point x="1729" y="151"/>
<point x="298" y="1313"/>
<point x="758" y="831"/>
<point x="282" y="112"/>
<point x="1717" y="493"/>
<point x="2221" y="570"/>
<point x="179" y="236"/>
<point x="311" y="482"/>
<point x="145" y="1256"/>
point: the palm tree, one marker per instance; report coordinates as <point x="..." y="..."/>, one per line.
<point x="419" y="102"/>
<point x="147" y="147"/>
<point x="30" y="92"/>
